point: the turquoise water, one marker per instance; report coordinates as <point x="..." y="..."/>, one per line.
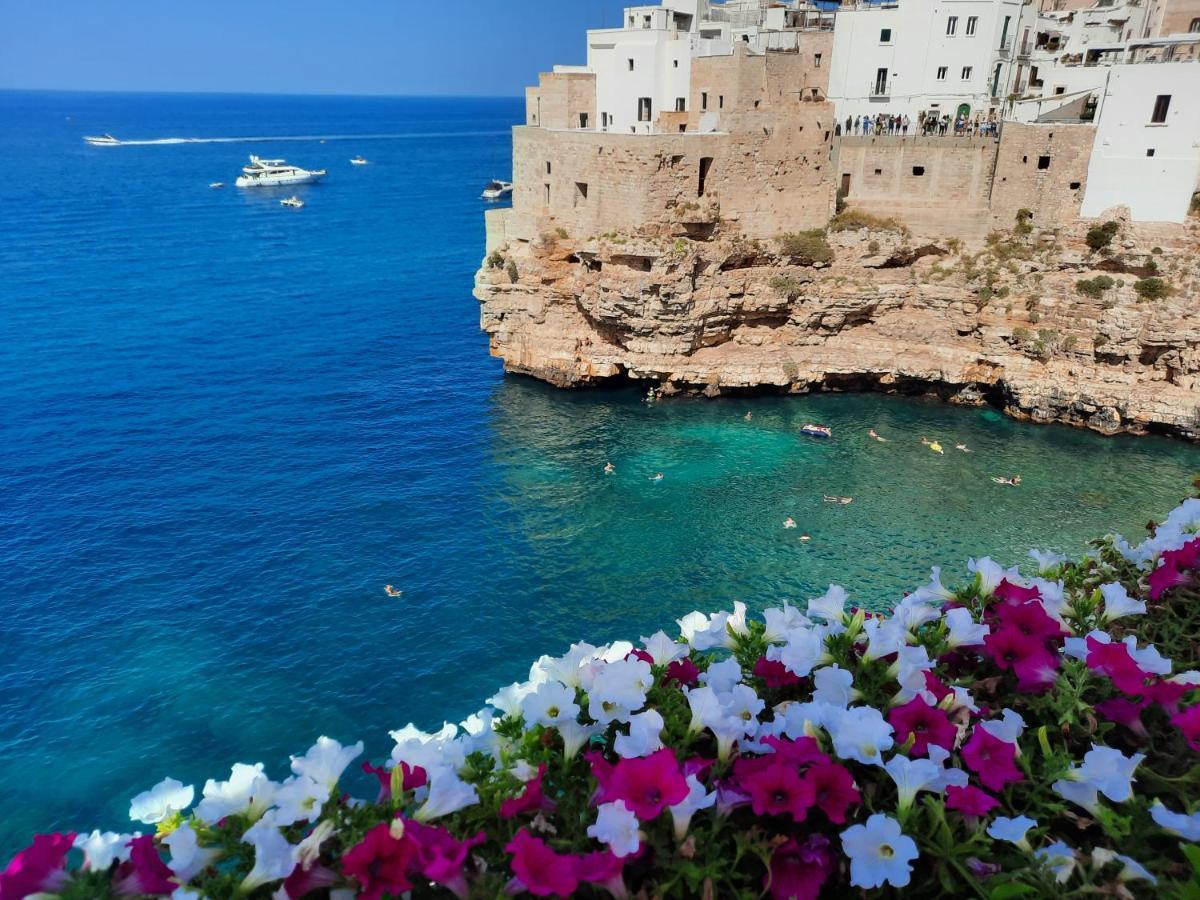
<point x="224" y="426"/>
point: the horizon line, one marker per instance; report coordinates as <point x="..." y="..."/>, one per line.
<point x="199" y="93"/>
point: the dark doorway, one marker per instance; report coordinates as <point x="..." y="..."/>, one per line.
<point x="705" y="167"/>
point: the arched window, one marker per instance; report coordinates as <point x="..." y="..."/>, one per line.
<point x="1194" y="28"/>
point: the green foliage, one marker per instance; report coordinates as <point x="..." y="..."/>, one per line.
<point x="495" y="259"/>
<point x="1094" y="287"/>
<point x="561" y="233"/>
<point x="856" y="219"/>
<point x="1152" y="288"/>
<point x="811" y="246"/>
<point x="1099" y="237"/>
<point x="511" y="269"/>
<point x="1024" y="221"/>
<point x="787" y="286"/>
<point x="1100" y="340"/>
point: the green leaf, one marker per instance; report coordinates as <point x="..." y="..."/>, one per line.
<point x="1010" y="889"/>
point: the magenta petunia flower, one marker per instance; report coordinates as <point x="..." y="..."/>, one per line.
<point x="1167" y="694"/>
<point x="530" y="800"/>
<point x="925" y="724"/>
<point x="683" y="672"/>
<point x="1114" y="661"/>
<point x="1031" y="619"/>
<point x="777" y="790"/>
<point x="412" y="777"/>
<point x="39" y="868"/>
<point x="639" y="653"/>
<point x="799" y="871"/>
<point x="380" y="863"/>
<point x="303" y="882"/>
<point x="1014" y="594"/>
<point x="1164" y="578"/>
<point x="1188" y="723"/>
<point x="833" y="790"/>
<point x="775" y="674"/>
<point x="1125" y="712"/>
<point x="646" y="784"/>
<point x="1026" y="655"/>
<point x="799" y="752"/>
<point x="605" y="869"/>
<point x="970" y="801"/>
<point x="441" y="856"/>
<point x="539" y="870"/>
<point x="991" y="759"/>
<point x="1186" y="557"/>
<point x="145" y="872"/>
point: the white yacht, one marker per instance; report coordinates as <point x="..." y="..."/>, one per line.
<point x="292" y="202"/>
<point x="358" y="161"/>
<point x="497" y="190"/>
<point x="270" y="172"/>
<point x="106" y="140"/>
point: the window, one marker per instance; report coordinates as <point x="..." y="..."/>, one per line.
<point x="631" y="65"/>
<point x="721" y="102"/>
<point x="547" y="194"/>
<point x="941" y="75"/>
<point x="918" y="171"/>
<point x="676" y="63"/>
<point x="583" y="120"/>
<point x="972" y="24"/>
<point x="880" y="82"/>
<point x="885" y="35"/>
<point x="1161" y="105"/>
<point x="1194" y="28"/>
<point x="879" y="171"/>
<point x="816" y="60"/>
<point x="547" y="167"/>
<point x="704" y="100"/>
<point x="1059" y="91"/>
<point x="966" y="73"/>
<point x="646" y="21"/>
<point x="644" y="109"/>
<point x="680" y="104"/>
<point x="705" y="167"/>
<point x="1075" y="185"/>
<point x="581" y="192"/>
<point x="1043" y="162"/>
<point x="952" y="25"/>
<point x="1150" y="152"/>
<point x="604" y="121"/>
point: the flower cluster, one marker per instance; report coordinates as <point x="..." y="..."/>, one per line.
<point x="1025" y="735"/>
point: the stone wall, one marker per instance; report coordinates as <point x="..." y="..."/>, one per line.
<point x="1178" y="15"/>
<point x="1054" y="193"/>
<point x="561" y="99"/>
<point x="936" y="185"/>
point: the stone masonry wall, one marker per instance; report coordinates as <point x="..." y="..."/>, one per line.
<point x="560" y="99"/>
<point x="1053" y="194"/>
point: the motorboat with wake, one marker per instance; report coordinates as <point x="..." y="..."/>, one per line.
<point x="272" y="172"/>
<point x="217" y="184"/>
<point x="105" y="140"/>
<point x="359" y="161"/>
<point x="292" y="203"/>
<point x="497" y="190"/>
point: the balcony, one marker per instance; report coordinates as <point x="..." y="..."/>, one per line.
<point x="881" y="91"/>
<point x="1005" y="45"/>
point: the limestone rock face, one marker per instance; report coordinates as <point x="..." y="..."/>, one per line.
<point x="1005" y="323"/>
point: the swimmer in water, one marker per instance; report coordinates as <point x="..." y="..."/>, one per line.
<point x="609" y="468"/>
<point x="657" y="476"/>
<point x="789" y="522"/>
<point x="805" y="538"/>
<point x="963" y="447"/>
<point x="876" y="437"/>
<point x="391" y="591"/>
<point x="749" y="417"/>
<point x="926" y="441"/>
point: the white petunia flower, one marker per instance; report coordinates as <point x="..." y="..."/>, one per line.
<point x="884" y="637"/>
<point x="508" y="699"/>
<point x="912" y="613"/>
<point x="1059" y="858"/>
<point x="566" y="668"/>
<point x="574" y="736"/>
<point x="477" y="734"/>
<point x="909" y="669"/>
<point x="1013" y="830"/>
<point x="1053" y="599"/>
<point x="326" y="760"/>
<point x="274" y="857"/>
<point x="1079" y="792"/>
<point x="247" y="791"/>
<point x="722" y="676"/>
<point x="1109" y="771"/>
<point x="803" y="719"/>
<point x="691" y="625"/>
<point x="947" y="777"/>
<point x="698" y="798"/>
<point x="299" y="799"/>
<point x="447" y="794"/>
<point x="619" y="690"/>
<point x="1148" y="658"/>
<point x="645" y="735"/>
<point x="804" y="651"/>
<point x="704" y="704"/>
<point x="428" y="750"/>
<point x="860" y="733"/>
<point x="1008" y="728"/>
<point x="102" y="849"/>
<point x="161" y="802"/>
<point x="1131" y="869"/>
<point x="933" y="592"/>
<point x="782" y="621"/>
<point x="616" y="826"/>
<point x="1179" y="824"/>
<point x="188" y="858"/>
<point x="912" y="776"/>
<point x="831" y="607"/>
<point x="962" y="629"/>
<point x="551" y="704"/>
<point x="989" y="574"/>
<point x="308" y="851"/>
<point x="662" y="649"/>
<point x="1118" y="603"/>
<point x="833" y="685"/>
<point x="880" y="853"/>
<point x="1047" y="562"/>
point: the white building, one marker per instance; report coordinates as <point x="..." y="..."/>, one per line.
<point x="1147" y="150"/>
<point x="951" y="57"/>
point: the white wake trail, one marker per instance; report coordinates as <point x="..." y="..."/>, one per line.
<point x="263" y="139"/>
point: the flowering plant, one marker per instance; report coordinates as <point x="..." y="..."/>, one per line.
<point x="1020" y="736"/>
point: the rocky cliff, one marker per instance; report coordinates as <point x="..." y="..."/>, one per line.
<point x="1040" y="324"/>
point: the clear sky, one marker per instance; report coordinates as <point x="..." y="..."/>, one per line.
<point x="488" y="48"/>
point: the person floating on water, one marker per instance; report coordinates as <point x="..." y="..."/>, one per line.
<point x="789" y="522"/>
<point x="936" y="447"/>
<point x="926" y="441"/>
<point x="657" y="476"/>
<point x="1011" y="482"/>
<point x="609" y="468"/>
<point x="844" y="501"/>
<point x="391" y="591"/>
<point x="750" y="417"/>
<point x="963" y="447"/>
<point x="876" y="437"/>
<point x="805" y="538"/>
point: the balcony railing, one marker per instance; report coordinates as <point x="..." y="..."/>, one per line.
<point x="880" y="91"/>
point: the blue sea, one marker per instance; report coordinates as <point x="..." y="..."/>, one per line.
<point x="226" y="425"/>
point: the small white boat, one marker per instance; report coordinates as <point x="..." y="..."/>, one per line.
<point x="270" y="172"/>
<point x="358" y="161"/>
<point x="292" y="202"/>
<point x="497" y="190"/>
<point x="217" y="184"/>
<point x="106" y="140"/>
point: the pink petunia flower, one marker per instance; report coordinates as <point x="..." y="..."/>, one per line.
<point x="925" y="724"/>
<point x="441" y="856"/>
<point x="775" y="674"/>
<point x="1113" y="660"/>
<point x="799" y="871"/>
<point x="145" y="872"/>
<point x="1188" y="723"/>
<point x="777" y="790"/>
<point x="970" y="801"/>
<point x="1125" y="712"/>
<point x="530" y="800"/>
<point x="1030" y="619"/>
<point x="1014" y="594"/>
<point x="605" y="869"/>
<point x="833" y="790"/>
<point x="1164" y="578"/>
<point x="799" y="752"/>
<point x="539" y="870"/>
<point x="303" y="882"/>
<point x="380" y="863"/>
<point x="411" y="777"/>
<point x="1026" y="655"/>
<point x="991" y="759"/>
<point x="39" y="868"/>
<point x="639" y="653"/>
<point x="683" y="672"/>
<point x="646" y="784"/>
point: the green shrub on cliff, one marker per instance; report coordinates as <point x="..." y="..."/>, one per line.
<point x="1094" y="287"/>
<point x="787" y="286"/>
<point x="811" y="246"/>
<point x="1152" y="289"/>
<point x="495" y="259"/>
<point x="511" y="269"/>
<point x="1099" y="237"/>
<point x="857" y="219"/>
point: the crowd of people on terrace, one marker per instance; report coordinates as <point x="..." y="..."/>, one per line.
<point x="927" y="124"/>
